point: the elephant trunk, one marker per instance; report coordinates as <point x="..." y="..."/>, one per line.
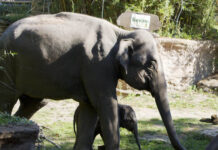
<point x="158" y="88"/>
<point x="164" y="110"/>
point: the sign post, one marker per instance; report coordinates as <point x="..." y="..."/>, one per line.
<point x="133" y="20"/>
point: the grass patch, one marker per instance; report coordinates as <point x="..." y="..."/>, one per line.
<point x="210" y="103"/>
<point x="193" y="99"/>
<point x="6" y="119"/>
<point x="178" y="100"/>
<point x="187" y="129"/>
<point x="140" y="101"/>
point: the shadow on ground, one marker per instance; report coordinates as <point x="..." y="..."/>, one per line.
<point x="188" y="131"/>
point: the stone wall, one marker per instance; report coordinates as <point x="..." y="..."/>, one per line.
<point x="187" y="61"/>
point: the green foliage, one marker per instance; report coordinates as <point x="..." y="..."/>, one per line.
<point x="61" y="5"/>
<point x="5" y="54"/>
<point x="190" y="19"/>
<point x="196" y="20"/>
<point x="12" y="12"/>
<point x="6" y="119"/>
<point x="8" y="8"/>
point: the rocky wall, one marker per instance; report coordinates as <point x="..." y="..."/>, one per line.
<point x="187" y="61"/>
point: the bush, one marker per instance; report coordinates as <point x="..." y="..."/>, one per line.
<point x="12" y="12"/>
<point x="6" y="119"/>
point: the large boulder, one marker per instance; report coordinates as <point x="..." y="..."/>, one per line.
<point x="209" y="84"/>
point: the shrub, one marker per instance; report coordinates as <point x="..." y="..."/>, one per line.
<point x="6" y="119"/>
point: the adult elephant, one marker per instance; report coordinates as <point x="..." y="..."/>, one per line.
<point x="76" y="56"/>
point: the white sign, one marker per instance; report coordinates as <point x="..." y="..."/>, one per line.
<point x="140" y="21"/>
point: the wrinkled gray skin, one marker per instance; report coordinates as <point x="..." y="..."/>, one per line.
<point x="127" y="119"/>
<point x="213" y="144"/>
<point x="76" y="56"/>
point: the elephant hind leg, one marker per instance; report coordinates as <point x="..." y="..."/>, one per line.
<point x="86" y="123"/>
<point x="29" y="105"/>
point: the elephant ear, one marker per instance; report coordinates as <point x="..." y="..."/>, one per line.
<point x="124" y="53"/>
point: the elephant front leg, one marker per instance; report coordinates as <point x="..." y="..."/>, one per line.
<point x="86" y="123"/>
<point x="100" y="85"/>
<point x="108" y="115"/>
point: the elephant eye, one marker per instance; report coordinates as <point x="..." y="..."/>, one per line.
<point x="139" y="60"/>
<point x="142" y="59"/>
<point x="151" y="65"/>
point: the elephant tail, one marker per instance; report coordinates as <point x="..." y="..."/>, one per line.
<point x="75" y="120"/>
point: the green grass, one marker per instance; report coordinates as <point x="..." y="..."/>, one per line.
<point x="62" y="134"/>
<point x="6" y="119"/>
<point x="60" y="130"/>
<point x="193" y="98"/>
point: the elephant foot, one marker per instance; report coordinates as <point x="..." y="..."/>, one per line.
<point x="102" y="147"/>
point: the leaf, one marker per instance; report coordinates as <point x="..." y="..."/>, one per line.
<point x="2" y="68"/>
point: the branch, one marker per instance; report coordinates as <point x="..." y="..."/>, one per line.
<point x="50" y="141"/>
<point x="7" y="86"/>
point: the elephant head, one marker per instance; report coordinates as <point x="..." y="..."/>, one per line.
<point x="142" y="69"/>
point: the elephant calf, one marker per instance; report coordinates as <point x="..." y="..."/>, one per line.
<point x="127" y="119"/>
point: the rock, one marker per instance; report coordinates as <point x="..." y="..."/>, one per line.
<point x="213" y="119"/>
<point x="207" y="120"/>
<point x="209" y="84"/>
<point x="18" y="137"/>
<point x="210" y="133"/>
